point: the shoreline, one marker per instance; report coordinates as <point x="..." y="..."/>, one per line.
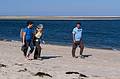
<point x="68" y="45"/>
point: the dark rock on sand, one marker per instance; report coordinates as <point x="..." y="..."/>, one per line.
<point x="41" y="74"/>
<point x="23" y="70"/>
<point x="2" y="65"/>
<point x="18" y="64"/>
<point x="80" y="75"/>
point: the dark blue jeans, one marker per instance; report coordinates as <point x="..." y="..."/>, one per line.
<point x="24" y="48"/>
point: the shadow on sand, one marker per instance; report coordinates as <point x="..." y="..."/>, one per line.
<point x="49" y="57"/>
<point x="87" y="55"/>
<point x="84" y="56"/>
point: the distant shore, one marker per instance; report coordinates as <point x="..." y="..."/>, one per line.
<point x="59" y="17"/>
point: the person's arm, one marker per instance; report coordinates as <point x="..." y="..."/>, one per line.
<point x="81" y="34"/>
<point x="73" y="37"/>
<point x="23" y="38"/>
<point x="73" y="32"/>
<point x="42" y="38"/>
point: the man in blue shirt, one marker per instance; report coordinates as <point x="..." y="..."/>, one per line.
<point x="77" y="40"/>
<point x="27" y="39"/>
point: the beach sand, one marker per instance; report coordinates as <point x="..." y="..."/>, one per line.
<point x="56" y="61"/>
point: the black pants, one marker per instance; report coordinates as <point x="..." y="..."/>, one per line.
<point x="37" y="52"/>
<point x="24" y="48"/>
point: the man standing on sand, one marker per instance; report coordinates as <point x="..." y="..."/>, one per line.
<point x="27" y="39"/>
<point x="77" y="40"/>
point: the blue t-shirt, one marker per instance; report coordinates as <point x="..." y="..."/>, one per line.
<point x="29" y="33"/>
<point x="78" y="33"/>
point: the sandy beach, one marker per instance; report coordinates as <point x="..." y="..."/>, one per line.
<point x="57" y="63"/>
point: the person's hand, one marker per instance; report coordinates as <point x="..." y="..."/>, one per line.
<point x="73" y="41"/>
<point x="23" y="43"/>
<point x="43" y="42"/>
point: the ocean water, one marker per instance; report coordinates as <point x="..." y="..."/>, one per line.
<point x="103" y="34"/>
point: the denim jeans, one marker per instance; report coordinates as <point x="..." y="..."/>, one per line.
<point x="24" y="48"/>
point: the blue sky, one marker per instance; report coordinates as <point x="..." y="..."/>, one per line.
<point x="60" y="7"/>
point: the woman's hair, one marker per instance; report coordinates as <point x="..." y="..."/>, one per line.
<point x="40" y="26"/>
<point x="37" y="30"/>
